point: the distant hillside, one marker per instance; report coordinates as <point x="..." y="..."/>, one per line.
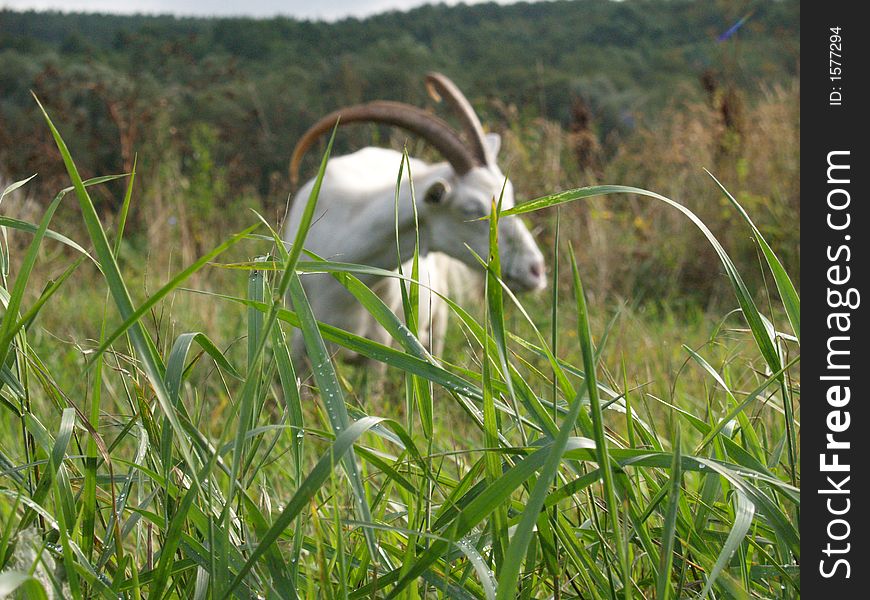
<point x="247" y="88"/>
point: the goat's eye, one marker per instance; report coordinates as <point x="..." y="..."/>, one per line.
<point x="473" y="210"/>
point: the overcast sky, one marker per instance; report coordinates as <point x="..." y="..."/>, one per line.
<point x="302" y="9"/>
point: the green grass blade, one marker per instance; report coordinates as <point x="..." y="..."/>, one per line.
<point x="744" y="512"/>
<point x="52" y="235"/>
<point x="331" y="394"/>
<point x="176" y="369"/>
<point x="305" y="222"/>
<point x="516" y="552"/>
<point x="395" y="358"/>
<point x="14" y="186"/>
<point x="753" y="317"/>
<point x="8" y="328"/>
<point x="306" y="491"/>
<point x="125" y="207"/>
<point x="462" y="521"/>
<point x="151" y="362"/>
<point x="495" y="307"/>
<point x="787" y="292"/>
<point x="589" y="366"/>
<point x="50" y="289"/>
<point x="293" y="405"/>
<point x="669" y="527"/>
<point x="169" y="287"/>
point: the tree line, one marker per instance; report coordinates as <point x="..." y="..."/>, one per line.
<point x="232" y="95"/>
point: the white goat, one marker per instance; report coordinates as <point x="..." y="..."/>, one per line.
<point x="355" y="218"/>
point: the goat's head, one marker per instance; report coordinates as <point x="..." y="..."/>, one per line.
<point x="453" y="206"/>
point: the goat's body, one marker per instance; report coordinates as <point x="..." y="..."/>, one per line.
<point x="361" y="217"/>
<point x="364" y="174"/>
<point x="356" y="229"/>
<point x="333" y="304"/>
<point x="435" y="283"/>
<point x="355" y="218"/>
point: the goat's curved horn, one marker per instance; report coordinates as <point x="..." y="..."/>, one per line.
<point x="440" y="86"/>
<point x="417" y="121"/>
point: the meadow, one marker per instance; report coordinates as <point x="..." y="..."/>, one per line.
<point x="632" y="432"/>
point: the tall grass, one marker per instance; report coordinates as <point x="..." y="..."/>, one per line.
<point x="181" y="466"/>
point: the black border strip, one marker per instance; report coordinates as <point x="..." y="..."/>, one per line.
<point x="834" y="266"/>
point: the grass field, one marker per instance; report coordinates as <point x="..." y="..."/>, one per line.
<point x="156" y="442"/>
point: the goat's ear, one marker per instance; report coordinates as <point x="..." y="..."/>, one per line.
<point x="493" y="144"/>
<point x="436" y="193"/>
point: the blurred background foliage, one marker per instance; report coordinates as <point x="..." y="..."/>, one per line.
<point x="642" y="92"/>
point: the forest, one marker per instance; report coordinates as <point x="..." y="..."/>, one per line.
<point x="163" y="85"/>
